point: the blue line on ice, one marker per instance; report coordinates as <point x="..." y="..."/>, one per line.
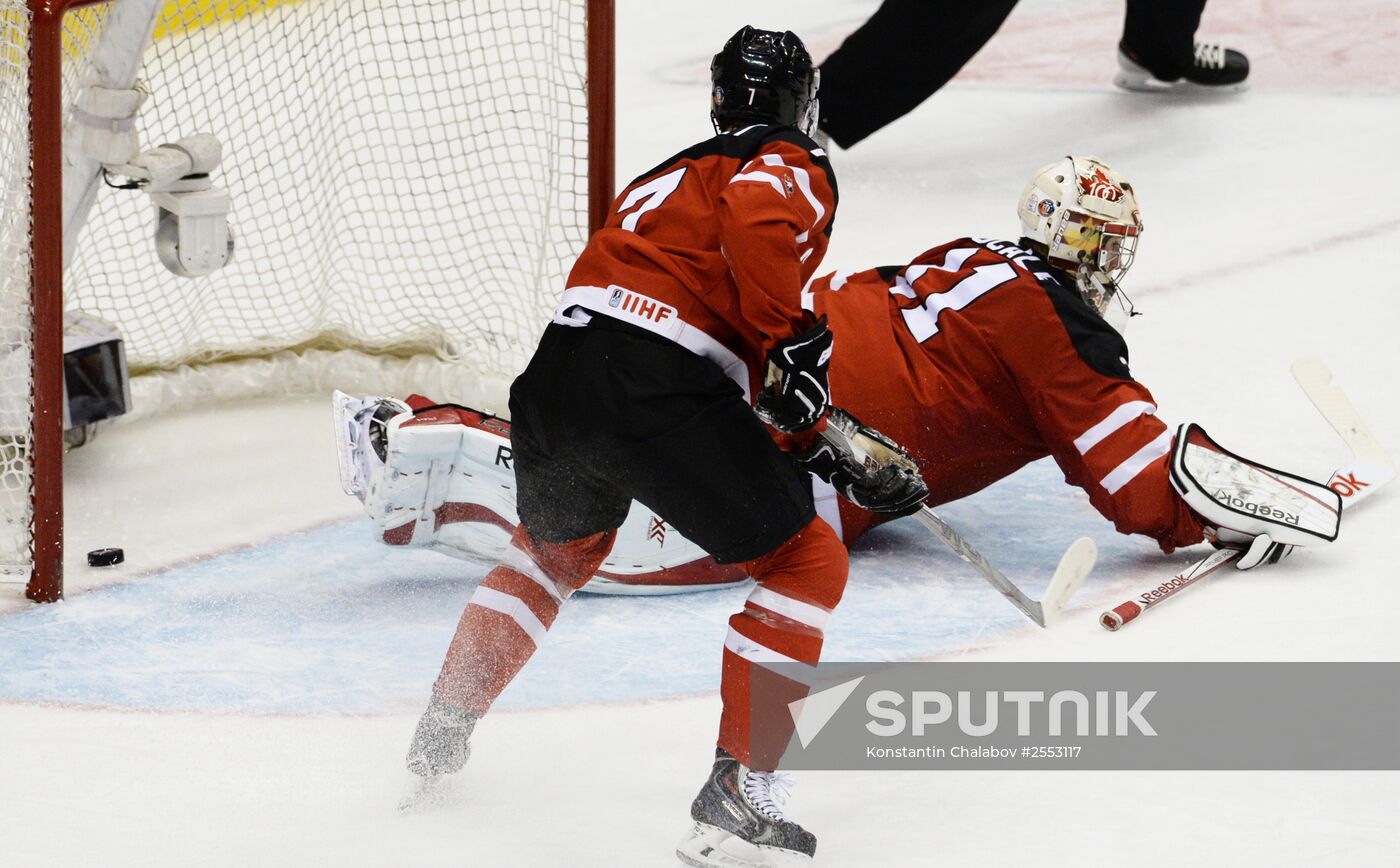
<point x="329" y="621"/>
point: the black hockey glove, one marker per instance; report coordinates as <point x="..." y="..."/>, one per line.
<point x="866" y="467"/>
<point x="795" y="391"/>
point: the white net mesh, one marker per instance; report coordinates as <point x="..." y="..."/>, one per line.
<point x="406" y="176"/>
<point x="15" y="405"/>
<point x="409" y="179"/>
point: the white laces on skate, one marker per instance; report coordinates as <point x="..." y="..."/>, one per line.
<point x="767" y="791"/>
<point x="1210" y="56"/>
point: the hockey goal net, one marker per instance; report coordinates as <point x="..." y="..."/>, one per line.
<point x="409" y="179"/>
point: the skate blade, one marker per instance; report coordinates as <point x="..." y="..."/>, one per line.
<point x="711" y="847"/>
<point x="1138" y="83"/>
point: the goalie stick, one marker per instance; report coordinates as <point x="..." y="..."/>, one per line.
<point x="1074" y="566"/>
<point x="1370" y="469"/>
<point x="848" y="444"/>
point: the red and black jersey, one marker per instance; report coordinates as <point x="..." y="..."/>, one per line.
<point x="712" y="247"/>
<point x="978" y="359"/>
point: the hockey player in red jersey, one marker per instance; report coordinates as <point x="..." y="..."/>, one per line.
<point x="683" y="306"/>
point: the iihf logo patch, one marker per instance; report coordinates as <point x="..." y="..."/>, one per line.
<point x="616" y="298"/>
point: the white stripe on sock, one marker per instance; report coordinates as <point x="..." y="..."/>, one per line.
<point x="796" y="610"/>
<point x="514" y="608"/>
<point x="522" y="563"/>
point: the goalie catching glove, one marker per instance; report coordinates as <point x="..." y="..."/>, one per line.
<point x="795" y="391"/>
<point x="866" y="467"/>
<point x="1262" y="512"/>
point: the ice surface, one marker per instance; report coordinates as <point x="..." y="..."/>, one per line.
<point x="248" y="694"/>
<point x="330" y="621"/>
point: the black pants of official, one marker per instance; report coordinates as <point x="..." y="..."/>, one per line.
<point x="910" y="48"/>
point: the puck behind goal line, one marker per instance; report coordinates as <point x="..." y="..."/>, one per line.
<point x="105" y="557"/>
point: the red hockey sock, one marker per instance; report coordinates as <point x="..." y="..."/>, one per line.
<point x="799" y="583"/>
<point x="509" y="613"/>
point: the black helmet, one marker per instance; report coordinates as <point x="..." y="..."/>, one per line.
<point x="763" y="77"/>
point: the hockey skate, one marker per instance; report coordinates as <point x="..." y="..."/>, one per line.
<point x="442" y="742"/>
<point x="739" y="822"/>
<point x="441" y="745"/>
<point x="1214" y="69"/>
<point x="361" y="438"/>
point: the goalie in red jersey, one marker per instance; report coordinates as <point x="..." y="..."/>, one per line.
<point x="981" y="356"/>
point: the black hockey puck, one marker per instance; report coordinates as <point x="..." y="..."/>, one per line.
<point x="105" y="557"/>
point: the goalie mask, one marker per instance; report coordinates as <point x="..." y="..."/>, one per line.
<point x="763" y="77"/>
<point x="1086" y="217"/>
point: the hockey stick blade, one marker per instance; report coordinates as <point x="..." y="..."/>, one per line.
<point x="1070" y="573"/>
<point x="1074" y="566"/>
<point x="1371" y="469"/>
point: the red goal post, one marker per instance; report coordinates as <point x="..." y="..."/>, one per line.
<point x="464" y="164"/>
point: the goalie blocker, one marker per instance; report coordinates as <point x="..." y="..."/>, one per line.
<point x="1260" y="511"/>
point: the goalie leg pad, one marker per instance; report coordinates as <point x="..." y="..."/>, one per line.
<point x="441" y="476"/>
<point x="447" y="467"/>
<point x="1245" y="500"/>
